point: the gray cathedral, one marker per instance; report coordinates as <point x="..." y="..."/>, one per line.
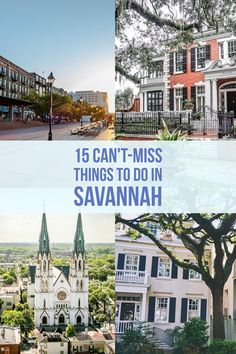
<point x="59" y="294"/>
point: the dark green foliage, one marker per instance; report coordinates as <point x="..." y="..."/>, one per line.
<point x="21" y="317"/>
<point x="70" y="330"/>
<point x="192" y="338"/>
<point x="222" y="347"/>
<point x="136" y="341"/>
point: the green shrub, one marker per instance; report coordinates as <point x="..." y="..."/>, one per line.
<point x="192" y="338"/>
<point x="218" y="346"/>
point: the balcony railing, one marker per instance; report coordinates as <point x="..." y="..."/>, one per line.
<point x="123" y="326"/>
<point x="134" y="277"/>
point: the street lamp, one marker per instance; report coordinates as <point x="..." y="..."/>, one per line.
<point x="51" y="80"/>
<point x="82" y="110"/>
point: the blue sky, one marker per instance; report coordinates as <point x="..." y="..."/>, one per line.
<point x="72" y="38"/>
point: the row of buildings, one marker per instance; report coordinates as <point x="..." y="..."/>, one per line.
<point x="95" y="98"/>
<point x="17" y="83"/>
<point x="150" y="288"/>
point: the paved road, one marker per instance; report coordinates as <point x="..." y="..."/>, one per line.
<point x="59" y="132"/>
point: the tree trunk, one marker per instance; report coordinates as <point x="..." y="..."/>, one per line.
<point x="218" y="317"/>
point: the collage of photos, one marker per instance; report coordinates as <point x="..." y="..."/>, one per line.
<point x="124" y="70"/>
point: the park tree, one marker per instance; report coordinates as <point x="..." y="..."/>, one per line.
<point x="145" y="27"/>
<point x="101" y="297"/>
<point x="199" y="233"/>
<point x="124" y="99"/>
<point x="70" y="330"/>
<point x="21" y="316"/>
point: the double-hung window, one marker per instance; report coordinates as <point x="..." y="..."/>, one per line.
<point x="178" y="61"/>
<point x="164" y="268"/>
<point x="193" y="308"/>
<point x="178" y="99"/>
<point x="131" y="263"/>
<point x="162" y="309"/>
<point x="201" y="57"/>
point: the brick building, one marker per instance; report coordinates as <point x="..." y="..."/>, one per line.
<point x="204" y="73"/>
<point x="10" y="340"/>
<point x="15" y="84"/>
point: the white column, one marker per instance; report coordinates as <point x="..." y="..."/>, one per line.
<point x="144" y="304"/>
<point x="208" y="93"/>
<point x="141" y="101"/>
<point x="214" y="95"/>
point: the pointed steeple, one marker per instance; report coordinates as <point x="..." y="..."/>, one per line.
<point x="79" y="237"/>
<point x="43" y="237"/>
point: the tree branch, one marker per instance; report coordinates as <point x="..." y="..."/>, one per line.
<point x="125" y="73"/>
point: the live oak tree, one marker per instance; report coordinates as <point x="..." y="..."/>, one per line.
<point x="144" y="27"/>
<point x="199" y="233"/>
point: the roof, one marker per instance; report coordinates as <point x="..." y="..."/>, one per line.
<point x="65" y="270"/>
<point x="9" y="335"/>
<point x="52" y="337"/>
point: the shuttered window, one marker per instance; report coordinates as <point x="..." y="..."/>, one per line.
<point x="162" y="309"/>
<point x="164" y="268"/>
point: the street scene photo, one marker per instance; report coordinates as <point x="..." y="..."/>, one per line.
<point x="59" y="83"/>
<point x="175" y="283"/>
<point x="175" y="69"/>
<point x="57" y="287"/>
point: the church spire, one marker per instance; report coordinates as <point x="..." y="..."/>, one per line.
<point x="79" y="237"/>
<point x="43" y="237"/>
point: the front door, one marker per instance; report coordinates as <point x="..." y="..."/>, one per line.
<point x="231" y="102"/>
<point x="127" y="311"/>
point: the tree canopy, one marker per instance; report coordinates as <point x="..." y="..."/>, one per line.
<point x="145" y="27"/>
<point x="211" y="238"/>
<point x="21" y="317"/>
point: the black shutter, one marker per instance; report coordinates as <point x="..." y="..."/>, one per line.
<point x="203" y="309"/>
<point x="193" y="59"/>
<point x="184" y="53"/>
<point x="171" y="99"/>
<point x="151" y="309"/>
<point x="142" y="263"/>
<point x="154" y="267"/>
<point x="184" y="305"/>
<point x="193" y="97"/>
<point x="186" y="271"/>
<point x="171" y="63"/>
<point x="121" y="261"/>
<point x="172" y="309"/>
<point x="208" y="52"/>
<point x="185" y="93"/>
<point x="174" y="271"/>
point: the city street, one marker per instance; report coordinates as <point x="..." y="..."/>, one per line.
<point x="59" y="132"/>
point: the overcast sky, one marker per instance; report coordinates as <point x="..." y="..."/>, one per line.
<point x="72" y="38"/>
<point x="61" y="227"/>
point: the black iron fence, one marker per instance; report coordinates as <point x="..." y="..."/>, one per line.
<point x="204" y="122"/>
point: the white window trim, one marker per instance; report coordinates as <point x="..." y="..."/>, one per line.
<point x="174" y="62"/>
<point x="131" y="255"/>
<point x="199" y="309"/>
<point x="175" y="106"/>
<point x="164" y="277"/>
<point x="196" y="48"/>
<point x="168" y="309"/>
